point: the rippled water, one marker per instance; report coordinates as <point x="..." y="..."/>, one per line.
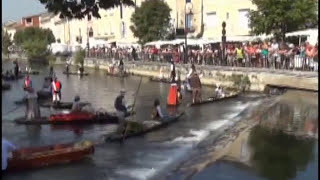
<point x="146" y="157"/>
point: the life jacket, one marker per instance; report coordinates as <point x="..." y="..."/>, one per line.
<point x="27" y="83"/>
<point x="118" y="104"/>
<point x="58" y="86"/>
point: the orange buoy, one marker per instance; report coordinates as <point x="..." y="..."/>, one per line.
<point x="172" y="97"/>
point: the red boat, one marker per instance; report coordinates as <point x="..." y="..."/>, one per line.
<point x="37" y="157"/>
<point x="72" y="117"/>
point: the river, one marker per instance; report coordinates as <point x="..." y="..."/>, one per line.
<point x="148" y="157"/>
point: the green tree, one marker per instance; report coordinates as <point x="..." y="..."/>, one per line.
<point x="151" y="21"/>
<point x="34" y="41"/>
<point x="79" y="57"/>
<point x="280" y="16"/>
<point x="80" y="8"/>
<point x="6" y="42"/>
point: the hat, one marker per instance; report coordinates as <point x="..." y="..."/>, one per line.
<point x="122" y="91"/>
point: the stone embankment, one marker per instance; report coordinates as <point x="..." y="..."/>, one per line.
<point x="229" y="77"/>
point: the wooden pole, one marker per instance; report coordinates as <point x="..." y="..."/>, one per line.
<point x="132" y="108"/>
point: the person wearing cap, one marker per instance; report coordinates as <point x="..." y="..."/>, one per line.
<point x="76" y="104"/>
<point x="120" y="105"/>
<point x="32" y="107"/>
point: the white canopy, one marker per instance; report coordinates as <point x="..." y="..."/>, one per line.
<point x="312" y="35"/>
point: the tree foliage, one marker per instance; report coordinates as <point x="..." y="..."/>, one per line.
<point x="280" y="16"/>
<point x="79" y="57"/>
<point x="34" y="40"/>
<point x="80" y="8"/>
<point x="151" y="21"/>
<point x="6" y="42"/>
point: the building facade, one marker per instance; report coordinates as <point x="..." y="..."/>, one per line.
<point x="233" y="12"/>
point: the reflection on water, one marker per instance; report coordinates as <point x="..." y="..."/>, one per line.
<point x="279" y="156"/>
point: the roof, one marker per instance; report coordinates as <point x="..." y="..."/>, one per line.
<point x="36" y="15"/>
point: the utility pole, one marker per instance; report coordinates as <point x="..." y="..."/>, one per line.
<point x="223" y="40"/>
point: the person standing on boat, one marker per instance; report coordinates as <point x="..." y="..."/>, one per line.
<point x="27" y="83"/>
<point x="179" y="86"/>
<point x="195" y="84"/>
<point x="173" y="71"/>
<point x="51" y="72"/>
<point x="32" y="109"/>
<point x="7" y="147"/>
<point x="67" y="68"/>
<point x="56" y="87"/>
<point x="121" y="67"/>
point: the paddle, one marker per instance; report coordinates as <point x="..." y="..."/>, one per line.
<point x="133" y="105"/>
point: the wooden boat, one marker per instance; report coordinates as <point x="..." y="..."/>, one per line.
<point x="38" y="157"/>
<point x="30" y="73"/>
<point x="213" y="99"/>
<point x="11" y="77"/>
<point x="73" y="118"/>
<point x="6" y="86"/>
<point x="117" y="75"/>
<point x="61" y="105"/>
<point x="76" y="73"/>
<point x="136" y="128"/>
<point x="160" y="80"/>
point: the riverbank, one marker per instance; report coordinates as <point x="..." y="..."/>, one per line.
<point x="230" y="77"/>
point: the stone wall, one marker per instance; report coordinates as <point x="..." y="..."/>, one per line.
<point x="251" y="79"/>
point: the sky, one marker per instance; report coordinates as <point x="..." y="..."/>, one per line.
<point x="16" y="9"/>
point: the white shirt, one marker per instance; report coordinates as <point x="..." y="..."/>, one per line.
<point x="159" y="111"/>
<point x="7" y="147"/>
<point x="171" y="67"/>
<point x="189" y="74"/>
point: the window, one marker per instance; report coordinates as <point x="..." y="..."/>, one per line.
<point x="212" y="19"/>
<point x="243" y="18"/>
<point x="89" y="17"/>
<point x="227" y="16"/>
<point x="188" y="1"/>
<point x="189" y="21"/>
<point x="29" y="20"/>
<point x="123" y="29"/>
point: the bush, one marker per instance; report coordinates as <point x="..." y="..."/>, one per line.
<point x="79" y="57"/>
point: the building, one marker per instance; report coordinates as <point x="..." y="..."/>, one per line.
<point x="11" y="27"/>
<point x="233" y="12"/>
<point x="31" y="21"/>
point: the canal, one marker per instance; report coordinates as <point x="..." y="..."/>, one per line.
<point x="156" y="154"/>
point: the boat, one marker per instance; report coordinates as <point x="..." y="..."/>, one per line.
<point x="6" y="86"/>
<point x="30" y="73"/>
<point x="164" y="80"/>
<point x="213" y="99"/>
<point x="73" y="118"/>
<point x="61" y="105"/>
<point x="38" y="157"/>
<point x="117" y="75"/>
<point x="76" y="73"/>
<point x="141" y="128"/>
<point x="11" y="77"/>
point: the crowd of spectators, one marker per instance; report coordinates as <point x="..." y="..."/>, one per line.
<point x="250" y="54"/>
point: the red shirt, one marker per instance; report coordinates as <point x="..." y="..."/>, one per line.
<point x="58" y="85"/>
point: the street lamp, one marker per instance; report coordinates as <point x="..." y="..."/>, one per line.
<point x="189" y="6"/>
